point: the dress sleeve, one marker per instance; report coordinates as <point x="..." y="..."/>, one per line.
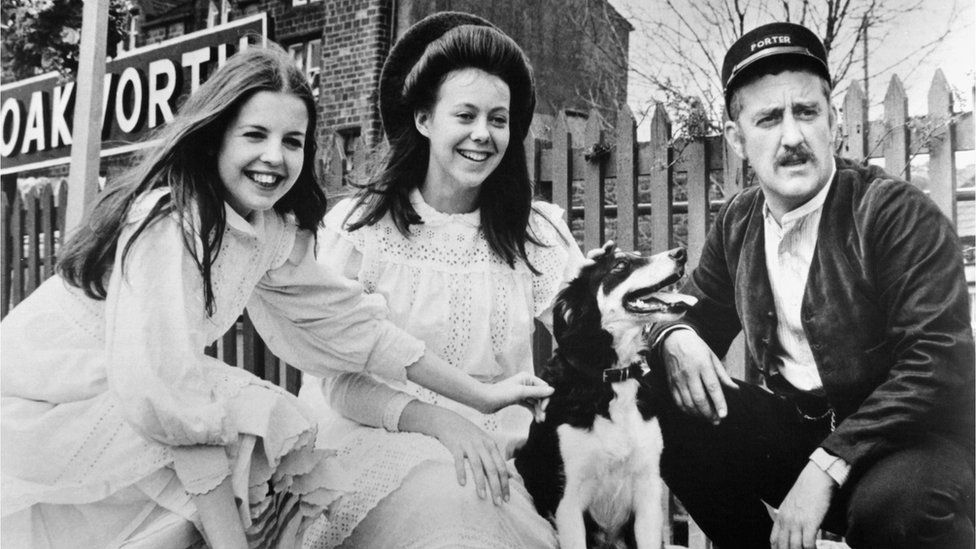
<point x="321" y="322"/>
<point x="338" y="247"/>
<point x="154" y="340"/>
<point x="559" y="259"/>
<point x="366" y="400"/>
<point x="356" y="396"/>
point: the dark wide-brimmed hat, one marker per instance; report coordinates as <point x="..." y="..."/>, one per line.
<point x="395" y="110"/>
<point x="773" y="40"/>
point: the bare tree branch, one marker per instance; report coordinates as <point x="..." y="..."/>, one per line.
<point x="687" y="39"/>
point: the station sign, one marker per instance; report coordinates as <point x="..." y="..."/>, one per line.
<point x="143" y="88"/>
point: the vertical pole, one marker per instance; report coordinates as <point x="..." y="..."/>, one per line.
<point x="594" y="220"/>
<point x="942" y="159"/>
<point x="562" y="167"/>
<point x="662" y="190"/>
<point x="897" y="161"/>
<point x="626" y="182"/>
<point x="87" y="136"/>
<point x="855" y="124"/>
<point x="864" y="43"/>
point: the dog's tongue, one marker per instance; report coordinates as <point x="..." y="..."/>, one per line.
<point x="675" y="299"/>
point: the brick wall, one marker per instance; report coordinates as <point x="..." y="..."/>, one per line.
<point x="578" y="48"/>
<point x="355" y="41"/>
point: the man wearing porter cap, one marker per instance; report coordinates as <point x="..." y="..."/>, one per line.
<point x="848" y="285"/>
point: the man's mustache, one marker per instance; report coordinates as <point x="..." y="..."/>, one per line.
<point x="795" y="156"/>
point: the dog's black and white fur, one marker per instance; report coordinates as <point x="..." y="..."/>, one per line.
<point x="591" y="462"/>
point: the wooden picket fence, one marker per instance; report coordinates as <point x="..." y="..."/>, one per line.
<point x="32" y="226"/>
<point x="644" y="195"/>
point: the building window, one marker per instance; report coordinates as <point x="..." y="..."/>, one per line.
<point x="308" y="58"/>
<point x="158" y="33"/>
<point x="303" y="2"/>
<point x="350" y="140"/>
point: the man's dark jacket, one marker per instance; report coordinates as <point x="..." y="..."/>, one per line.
<point x="885" y="310"/>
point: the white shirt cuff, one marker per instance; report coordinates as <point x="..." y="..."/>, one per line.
<point x="393" y="411"/>
<point x="664" y="333"/>
<point x="835" y="467"/>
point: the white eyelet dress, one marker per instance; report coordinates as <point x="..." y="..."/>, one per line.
<point x="444" y="285"/>
<point x="112" y="415"/>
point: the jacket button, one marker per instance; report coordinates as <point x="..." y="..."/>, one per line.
<point x="765" y="341"/>
<point x="817" y="346"/>
<point x="770" y="314"/>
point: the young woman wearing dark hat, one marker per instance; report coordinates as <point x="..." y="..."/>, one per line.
<point x="449" y="235"/>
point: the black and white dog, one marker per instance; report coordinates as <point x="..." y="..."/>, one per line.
<point x="592" y="457"/>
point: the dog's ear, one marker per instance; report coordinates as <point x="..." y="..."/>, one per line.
<point x="576" y="315"/>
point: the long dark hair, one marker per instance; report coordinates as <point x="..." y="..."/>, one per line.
<point x="505" y="197"/>
<point x="185" y="161"/>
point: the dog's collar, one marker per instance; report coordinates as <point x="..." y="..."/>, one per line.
<point x="634" y="370"/>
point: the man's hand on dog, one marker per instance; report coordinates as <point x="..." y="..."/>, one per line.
<point x="803" y="510"/>
<point x="695" y="375"/>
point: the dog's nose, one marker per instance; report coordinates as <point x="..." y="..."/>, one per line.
<point x="678" y="254"/>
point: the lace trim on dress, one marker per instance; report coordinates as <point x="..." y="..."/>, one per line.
<point x="384" y="464"/>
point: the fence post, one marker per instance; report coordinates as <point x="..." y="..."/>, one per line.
<point x="293" y="379"/>
<point x="7" y="265"/>
<point x="696" y="162"/>
<point x="594" y="222"/>
<point x="62" y="211"/>
<point x="662" y="229"/>
<point x="17" y="249"/>
<point x="942" y="160"/>
<point x="32" y="229"/>
<point x="48" y="226"/>
<point x="626" y="182"/>
<point x="228" y="344"/>
<point x="896" y="118"/>
<point x="562" y="167"/>
<point x="272" y="365"/>
<point x="253" y="359"/>
<point x="855" y="123"/>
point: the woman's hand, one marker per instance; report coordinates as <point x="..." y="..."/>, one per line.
<point x="437" y="375"/>
<point x="522" y="388"/>
<point x="466" y="442"/>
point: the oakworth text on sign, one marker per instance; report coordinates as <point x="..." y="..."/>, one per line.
<point x="143" y="88"/>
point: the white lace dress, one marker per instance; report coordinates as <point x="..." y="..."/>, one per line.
<point x="445" y="286"/>
<point x="112" y="415"/>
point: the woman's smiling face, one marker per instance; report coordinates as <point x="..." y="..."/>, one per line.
<point x="263" y="150"/>
<point x="468" y="130"/>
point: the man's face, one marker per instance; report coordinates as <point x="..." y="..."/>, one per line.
<point x="785" y="130"/>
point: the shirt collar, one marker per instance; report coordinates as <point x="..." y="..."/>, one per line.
<point x="434" y="217"/>
<point x="805" y="209"/>
<point x="236" y="222"/>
